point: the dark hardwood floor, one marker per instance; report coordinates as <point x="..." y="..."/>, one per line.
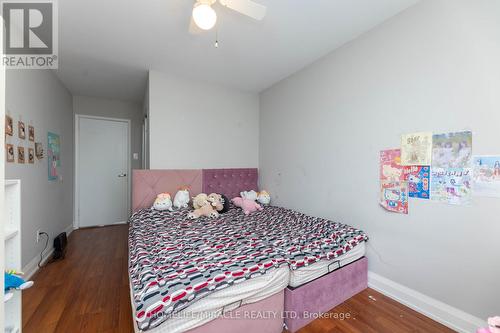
<point x="88" y="292"/>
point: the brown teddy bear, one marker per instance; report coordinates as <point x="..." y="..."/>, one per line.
<point x="203" y="207"/>
<point x="207" y="205"/>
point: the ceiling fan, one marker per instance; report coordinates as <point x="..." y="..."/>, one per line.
<point x="204" y="16"/>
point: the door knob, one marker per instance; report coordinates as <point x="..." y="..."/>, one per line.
<point x="122" y="175"/>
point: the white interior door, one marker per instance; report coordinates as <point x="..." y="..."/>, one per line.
<point x="102" y="171"/>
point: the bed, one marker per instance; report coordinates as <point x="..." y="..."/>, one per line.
<point x="185" y="274"/>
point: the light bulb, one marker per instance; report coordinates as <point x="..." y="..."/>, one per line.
<point x="204" y="16"/>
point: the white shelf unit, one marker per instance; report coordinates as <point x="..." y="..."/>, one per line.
<point x="12" y="240"/>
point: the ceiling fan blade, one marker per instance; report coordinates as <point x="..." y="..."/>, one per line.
<point x="246" y="7"/>
<point x="193" y="28"/>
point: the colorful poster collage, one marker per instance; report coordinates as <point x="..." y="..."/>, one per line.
<point x="439" y="167"/>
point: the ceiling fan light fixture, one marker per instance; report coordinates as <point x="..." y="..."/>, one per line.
<point x="204" y="16"/>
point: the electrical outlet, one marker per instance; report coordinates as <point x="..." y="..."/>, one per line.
<point x="38" y="235"/>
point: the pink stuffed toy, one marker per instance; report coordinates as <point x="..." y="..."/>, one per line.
<point x="494" y="326"/>
<point x="246" y="205"/>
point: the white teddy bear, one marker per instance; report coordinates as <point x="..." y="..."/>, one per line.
<point x="263" y="197"/>
<point x="181" y="199"/>
<point x="163" y="202"/>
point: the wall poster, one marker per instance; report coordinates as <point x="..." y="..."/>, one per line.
<point x="53" y="155"/>
<point x="416" y="148"/>
<point x="451" y="185"/>
<point x="486" y="176"/>
<point x="418" y="178"/>
<point x="390" y="165"/>
<point x="394" y="196"/>
<point x="393" y="188"/>
<point x="452" y="150"/>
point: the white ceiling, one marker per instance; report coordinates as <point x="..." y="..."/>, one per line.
<point x="107" y="46"/>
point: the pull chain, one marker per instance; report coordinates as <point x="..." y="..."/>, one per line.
<point x="216" y="44"/>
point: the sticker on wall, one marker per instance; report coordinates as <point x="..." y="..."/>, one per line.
<point x="418" y="178"/>
<point x="451" y="185"/>
<point x="452" y="150"/>
<point x="20" y="155"/>
<point x="486" y="176"/>
<point x="9" y="151"/>
<point x="394" y="196"/>
<point x="390" y="165"/>
<point x="53" y="155"/>
<point x="9" y="125"/>
<point x="416" y="148"/>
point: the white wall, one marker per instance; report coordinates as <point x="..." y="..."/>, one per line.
<point x="38" y="98"/>
<point x="200" y="125"/>
<point x="103" y="107"/>
<point x="435" y="68"/>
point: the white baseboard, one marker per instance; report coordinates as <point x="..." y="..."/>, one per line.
<point x="32" y="267"/>
<point x="443" y="313"/>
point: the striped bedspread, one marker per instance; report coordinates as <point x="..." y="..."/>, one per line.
<point x="174" y="261"/>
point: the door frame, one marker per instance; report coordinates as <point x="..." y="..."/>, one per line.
<point x="76" y="203"/>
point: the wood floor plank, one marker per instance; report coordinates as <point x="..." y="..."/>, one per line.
<point x="88" y="292"/>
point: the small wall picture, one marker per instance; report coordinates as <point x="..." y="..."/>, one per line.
<point x="9" y="125"/>
<point x="31" y="156"/>
<point x="20" y="155"/>
<point x="39" y="150"/>
<point x="9" y="150"/>
<point x="31" y="133"/>
<point x="21" y="130"/>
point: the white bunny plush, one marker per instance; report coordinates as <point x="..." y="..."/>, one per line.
<point x="181" y="199"/>
<point x="249" y="195"/>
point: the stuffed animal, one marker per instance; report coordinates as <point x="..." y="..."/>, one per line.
<point x="163" y="202"/>
<point x="248" y="206"/>
<point x="202" y="207"/>
<point x="181" y="199"/>
<point x="216" y="201"/>
<point x="263" y="198"/>
<point x="200" y="200"/>
<point x="494" y="326"/>
<point x="250" y="195"/>
<point x="13" y="281"/>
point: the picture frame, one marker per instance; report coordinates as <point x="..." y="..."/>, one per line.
<point x="39" y="150"/>
<point x="31" y="133"/>
<point x="21" y="130"/>
<point x="31" y="156"/>
<point x="9" y="125"/>
<point x="20" y="155"/>
<point x="9" y="151"/>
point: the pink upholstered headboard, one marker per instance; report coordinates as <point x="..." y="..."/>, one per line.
<point x="230" y="182"/>
<point x="146" y="184"/>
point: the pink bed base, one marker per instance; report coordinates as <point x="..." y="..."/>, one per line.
<point x="147" y="184"/>
<point x="240" y="320"/>
<point x="325" y="293"/>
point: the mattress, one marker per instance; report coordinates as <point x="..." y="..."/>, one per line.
<point x="308" y="273"/>
<point x="215" y="305"/>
